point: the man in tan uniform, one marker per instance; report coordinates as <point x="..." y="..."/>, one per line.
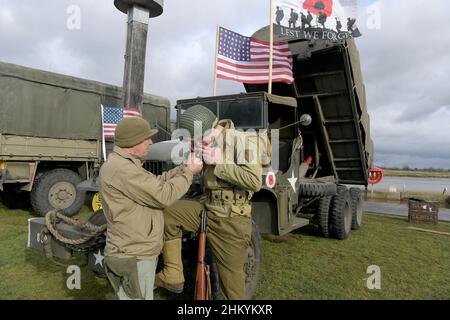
<point x="229" y="186"/>
<point x="133" y="202"/>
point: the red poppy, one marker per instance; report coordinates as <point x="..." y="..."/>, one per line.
<point x="318" y="6"/>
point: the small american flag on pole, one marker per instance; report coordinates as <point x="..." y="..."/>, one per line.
<point x="244" y="59"/>
<point x="113" y="115"/>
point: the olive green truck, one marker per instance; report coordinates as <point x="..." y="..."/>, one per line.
<point x="51" y="134"/>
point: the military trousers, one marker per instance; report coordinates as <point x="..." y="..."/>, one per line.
<point x="146" y="275"/>
<point x="228" y="238"/>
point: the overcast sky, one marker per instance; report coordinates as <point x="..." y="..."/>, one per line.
<point x="405" y="63"/>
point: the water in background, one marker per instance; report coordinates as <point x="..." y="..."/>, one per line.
<point x="409" y="184"/>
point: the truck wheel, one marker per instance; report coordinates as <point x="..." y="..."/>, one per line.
<point x="316" y="189"/>
<point x="357" y="208"/>
<point x="341" y="214"/>
<point x="56" y="189"/>
<point x="323" y="214"/>
<point x="252" y="267"/>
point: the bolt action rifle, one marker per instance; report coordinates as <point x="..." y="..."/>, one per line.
<point x="202" y="281"/>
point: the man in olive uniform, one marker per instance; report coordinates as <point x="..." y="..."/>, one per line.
<point x="133" y="202"/>
<point x="229" y="186"/>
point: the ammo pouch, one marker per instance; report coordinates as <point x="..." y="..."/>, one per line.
<point x="123" y="272"/>
<point x="237" y="199"/>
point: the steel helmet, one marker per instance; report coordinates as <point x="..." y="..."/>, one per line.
<point x="197" y="115"/>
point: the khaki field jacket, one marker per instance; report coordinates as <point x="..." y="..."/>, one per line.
<point x="133" y="200"/>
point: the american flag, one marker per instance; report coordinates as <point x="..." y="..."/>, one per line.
<point x="246" y="60"/>
<point x="113" y="115"/>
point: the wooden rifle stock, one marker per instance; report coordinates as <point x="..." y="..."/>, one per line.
<point x="202" y="283"/>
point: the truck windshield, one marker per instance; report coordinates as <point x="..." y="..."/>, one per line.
<point x="245" y="113"/>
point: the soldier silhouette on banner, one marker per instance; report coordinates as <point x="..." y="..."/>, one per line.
<point x="304" y="20"/>
<point x="338" y="25"/>
<point x="356" y="33"/>
<point x="309" y="19"/>
<point x="350" y="24"/>
<point x="293" y="19"/>
<point x="322" y="19"/>
<point x="352" y="29"/>
<point x="279" y="15"/>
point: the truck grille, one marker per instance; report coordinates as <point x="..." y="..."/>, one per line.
<point x="155" y="167"/>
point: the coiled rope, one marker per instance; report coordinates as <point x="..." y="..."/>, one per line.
<point x="91" y="228"/>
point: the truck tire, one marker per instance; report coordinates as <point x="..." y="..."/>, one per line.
<point x="56" y="189"/>
<point x="357" y="208"/>
<point x="341" y="214"/>
<point x="323" y="215"/>
<point x="252" y="267"/>
<point x="316" y="189"/>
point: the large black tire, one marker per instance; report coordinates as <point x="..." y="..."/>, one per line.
<point x="341" y="214"/>
<point x="357" y="208"/>
<point x="252" y="267"/>
<point x="57" y="189"/>
<point x="316" y="189"/>
<point x="323" y="216"/>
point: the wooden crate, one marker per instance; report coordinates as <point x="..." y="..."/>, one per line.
<point x="422" y="211"/>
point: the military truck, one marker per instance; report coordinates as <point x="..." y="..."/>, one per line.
<point x="328" y="85"/>
<point x="322" y="159"/>
<point x="51" y="134"/>
<point x="323" y="140"/>
<point x="322" y="152"/>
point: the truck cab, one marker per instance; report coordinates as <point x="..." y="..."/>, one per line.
<point x="290" y="171"/>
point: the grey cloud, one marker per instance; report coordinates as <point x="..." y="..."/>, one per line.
<point x="405" y="61"/>
<point x="406" y="70"/>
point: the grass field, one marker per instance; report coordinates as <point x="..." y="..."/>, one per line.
<point x="297" y="266"/>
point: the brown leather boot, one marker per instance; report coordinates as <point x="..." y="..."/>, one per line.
<point x="171" y="277"/>
<point x="175" y="288"/>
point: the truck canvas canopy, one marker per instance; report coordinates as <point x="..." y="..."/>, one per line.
<point x="49" y="105"/>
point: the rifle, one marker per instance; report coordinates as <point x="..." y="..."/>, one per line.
<point x="202" y="281"/>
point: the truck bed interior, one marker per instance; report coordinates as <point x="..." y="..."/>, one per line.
<point x="325" y="88"/>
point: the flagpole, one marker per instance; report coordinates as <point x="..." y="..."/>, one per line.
<point x="215" y="61"/>
<point x="271" y="47"/>
<point x="103" y="137"/>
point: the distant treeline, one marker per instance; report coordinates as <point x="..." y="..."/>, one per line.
<point x="408" y="168"/>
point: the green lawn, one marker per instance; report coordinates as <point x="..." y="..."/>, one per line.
<point x="413" y="265"/>
<point x="300" y="265"/>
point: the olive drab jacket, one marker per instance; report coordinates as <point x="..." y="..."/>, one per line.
<point x="229" y="186"/>
<point x="133" y="200"/>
